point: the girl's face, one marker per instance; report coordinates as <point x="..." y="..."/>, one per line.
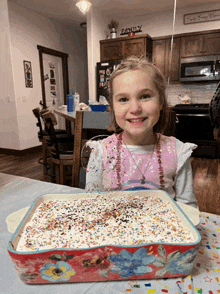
<point x="136" y="106"/>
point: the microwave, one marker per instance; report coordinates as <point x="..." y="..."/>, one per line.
<point x="204" y="68"/>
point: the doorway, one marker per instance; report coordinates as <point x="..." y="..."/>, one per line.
<point x="53" y="82"/>
<point x="50" y="58"/>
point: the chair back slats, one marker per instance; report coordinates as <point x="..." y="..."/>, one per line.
<point x="77" y="148"/>
<point x="49" y="120"/>
<point x="81" y="157"/>
<point x="36" y="112"/>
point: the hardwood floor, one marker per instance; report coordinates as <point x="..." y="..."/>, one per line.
<point x="206" y="173"/>
<point x="207" y="183"/>
<point x="24" y="166"/>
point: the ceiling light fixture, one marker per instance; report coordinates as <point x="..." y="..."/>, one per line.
<point x="84" y="6"/>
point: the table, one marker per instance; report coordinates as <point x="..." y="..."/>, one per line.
<point x="17" y="192"/>
<point x="92" y="120"/>
<point x="83" y="120"/>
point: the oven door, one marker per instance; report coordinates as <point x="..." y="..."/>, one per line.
<point x="198" y="69"/>
<point x="194" y="128"/>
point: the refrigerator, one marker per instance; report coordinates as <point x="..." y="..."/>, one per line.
<point x="103" y="72"/>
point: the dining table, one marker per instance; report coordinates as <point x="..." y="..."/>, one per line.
<point x="91" y="119"/>
<point x="83" y="120"/>
<point x="18" y="192"/>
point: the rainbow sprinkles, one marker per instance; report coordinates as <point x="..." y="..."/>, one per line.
<point x="102" y="220"/>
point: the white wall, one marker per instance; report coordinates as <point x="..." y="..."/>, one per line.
<point x="96" y="31"/>
<point x="74" y="42"/>
<point x="161" y="24"/>
<point x="9" y="133"/>
<point x="24" y="30"/>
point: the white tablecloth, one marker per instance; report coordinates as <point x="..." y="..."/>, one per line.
<point x="17" y="192"/>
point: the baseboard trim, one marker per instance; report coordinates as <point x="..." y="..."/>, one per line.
<point x="21" y="152"/>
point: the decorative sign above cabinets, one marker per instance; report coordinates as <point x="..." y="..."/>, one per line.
<point x="131" y="30"/>
<point x="204" y="16"/>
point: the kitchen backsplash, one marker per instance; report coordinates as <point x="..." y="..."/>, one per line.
<point x="198" y="92"/>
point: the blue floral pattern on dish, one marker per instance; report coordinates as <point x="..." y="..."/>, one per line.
<point x="176" y="262"/>
<point x="128" y="264"/>
<point x="60" y="272"/>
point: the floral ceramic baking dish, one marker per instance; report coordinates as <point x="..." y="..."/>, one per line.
<point x="105" y="262"/>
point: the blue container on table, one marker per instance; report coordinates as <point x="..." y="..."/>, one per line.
<point x="98" y="107"/>
<point x="70" y="103"/>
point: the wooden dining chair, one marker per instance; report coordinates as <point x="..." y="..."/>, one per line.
<point x="43" y="137"/>
<point x="79" y="142"/>
<point x="78" y="131"/>
<point x="80" y="138"/>
<point x="61" y="149"/>
<point x="84" y="131"/>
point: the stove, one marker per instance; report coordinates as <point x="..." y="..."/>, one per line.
<point x="202" y="108"/>
<point x="193" y="125"/>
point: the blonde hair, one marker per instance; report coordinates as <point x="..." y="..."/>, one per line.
<point x="137" y="63"/>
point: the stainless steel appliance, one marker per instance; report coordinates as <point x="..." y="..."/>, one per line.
<point x="193" y="125"/>
<point x="203" y="68"/>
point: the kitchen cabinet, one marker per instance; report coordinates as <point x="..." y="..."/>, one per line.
<point x="161" y="57"/>
<point x="120" y="48"/>
<point x="200" y="44"/>
<point x="111" y="51"/>
<point x="212" y="42"/>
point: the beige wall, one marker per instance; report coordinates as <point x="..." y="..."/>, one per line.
<point x="23" y="30"/>
<point x="161" y="24"/>
<point x="95" y="31"/>
<point x="9" y="132"/>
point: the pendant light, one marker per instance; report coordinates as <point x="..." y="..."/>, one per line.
<point x="84" y="6"/>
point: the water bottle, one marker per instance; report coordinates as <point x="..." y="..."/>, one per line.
<point x="70" y="103"/>
<point x="76" y="98"/>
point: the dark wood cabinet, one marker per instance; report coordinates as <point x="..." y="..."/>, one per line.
<point x="200" y="45"/>
<point x="192" y="46"/>
<point x="111" y="51"/>
<point x="212" y="43"/>
<point x="184" y="45"/>
<point x="175" y="60"/>
<point x="160" y="54"/>
<point x="161" y="57"/>
<point x="120" y="48"/>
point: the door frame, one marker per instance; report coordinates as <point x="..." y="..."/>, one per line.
<point x="64" y="57"/>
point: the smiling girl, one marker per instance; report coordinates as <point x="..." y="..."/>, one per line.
<point x="138" y="154"/>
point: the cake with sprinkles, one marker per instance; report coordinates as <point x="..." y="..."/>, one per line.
<point x="105" y="219"/>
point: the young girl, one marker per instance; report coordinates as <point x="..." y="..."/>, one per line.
<point x="137" y="154"/>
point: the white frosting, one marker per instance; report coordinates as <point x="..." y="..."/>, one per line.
<point x="104" y="220"/>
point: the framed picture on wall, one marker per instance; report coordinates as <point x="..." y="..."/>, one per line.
<point x="28" y="74"/>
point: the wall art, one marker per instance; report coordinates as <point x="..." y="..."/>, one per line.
<point x="131" y="30"/>
<point x="28" y="74"/>
<point x="204" y="16"/>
